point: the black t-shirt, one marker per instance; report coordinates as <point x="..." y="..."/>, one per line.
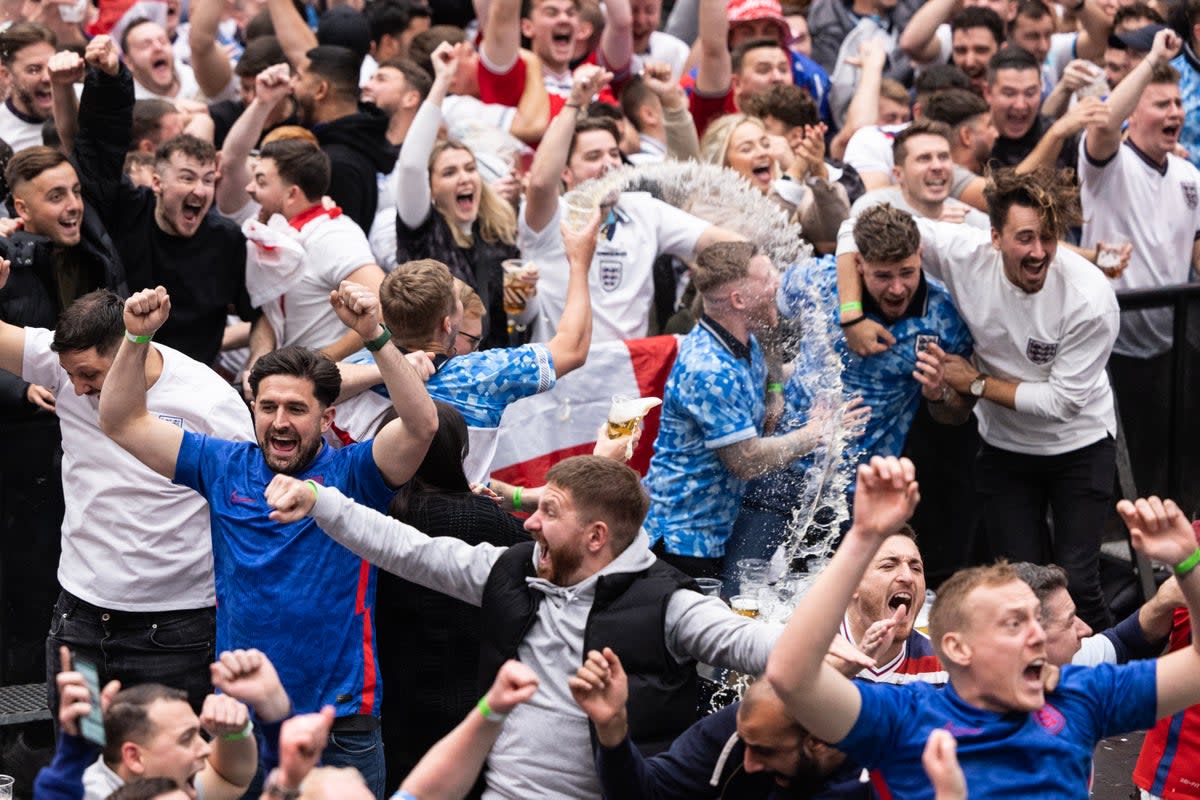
<point x="204" y="274"/>
<point x="1011" y="152"/>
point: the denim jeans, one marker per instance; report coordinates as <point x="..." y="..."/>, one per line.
<point x="174" y="648"/>
<point x="362" y="750"/>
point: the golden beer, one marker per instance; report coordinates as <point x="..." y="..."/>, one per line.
<point x="514" y="284"/>
<point x="745" y="605"/>
<point x="625" y="414"/>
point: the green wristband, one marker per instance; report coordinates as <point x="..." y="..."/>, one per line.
<point x="1188" y="564"/>
<point x="774" y="388"/>
<point x="376" y="344"/>
<point x="138" y="339"/>
<point x="853" y="305"/>
<point x="517" y="497"/>
<point x="237" y="737"/>
<point x="312" y="485"/>
<point x="486" y="711"/>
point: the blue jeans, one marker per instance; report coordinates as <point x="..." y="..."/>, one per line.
<point x="361" y="750"/>
<point x="174" y="648"/>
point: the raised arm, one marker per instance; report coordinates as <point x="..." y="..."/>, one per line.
<point x="295" y="37"/>
<point x="1104" y="132"/>
<point x="682" y="142"/>
<point x="616" y="42"/>
<point x="123" y="414"/>
<point x="105" y="122"/>
<point x="233" y="761"/>
<point x="451" y="766"/>
<point x="571" y="342"/>
<point x="819" y="697"/>
<point x="66" y="69"/>
<point x="1085" y="113"/>
<point x="272" y="86"/>
<point x="1161" y="532"/>
<point x="400" y="446"/>
<point x="1095" y="24"/>
<point x="864" y="104"/>
<point x="545" y="174"/>
<point x="502" y="35"/>
<point x="919" y="37"/>
<point x="715" y="70"/>
<point x="444" y="564"/>
<point x="212" y="67"/>
<point x="410" y="183"/>
<point x="533" y="107"/>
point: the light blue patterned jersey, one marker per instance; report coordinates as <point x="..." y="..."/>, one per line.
<point x="482" y="384"/>
<point x="1188" y="65"/>
<point x="714" y="398"/>
<point x="883" y="381"/>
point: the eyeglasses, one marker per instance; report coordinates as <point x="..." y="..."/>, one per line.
<point x="474" y="340"/>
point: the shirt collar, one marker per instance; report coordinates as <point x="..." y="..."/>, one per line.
<point x="726" y="338"/>
<point x="1161" y="169"/>
<point x="916" y="309"/>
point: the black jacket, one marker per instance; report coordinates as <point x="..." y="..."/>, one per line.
<point x="358" y="151"/>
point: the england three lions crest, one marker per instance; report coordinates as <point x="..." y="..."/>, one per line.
<point x="1040" y="352"/>
<point x="611" y="274"/>
<point x="1190" y="195"/>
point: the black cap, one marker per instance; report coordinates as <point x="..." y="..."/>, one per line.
<point x="1141" y="40"/>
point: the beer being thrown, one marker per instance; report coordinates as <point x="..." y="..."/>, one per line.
<point x="626" y="413"/>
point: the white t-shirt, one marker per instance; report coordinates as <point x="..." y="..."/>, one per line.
<point x="870" y="148"/>
<point x="1061" y="53"/>
<point x="1055" y="342"/>
<point x="131" y="539"/>
<point x="16" y="131"/>
<point x="894" y="196"/>
<point x="188" y="88"/>
<point x="1118" y="196"/>
<point x="333" y="249"/>
<point x="621" y="279"/>
<point x="668" y="49"/>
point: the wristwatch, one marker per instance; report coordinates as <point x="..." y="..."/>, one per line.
<point x="978" y="385"/>
<point x="277" y="792"/>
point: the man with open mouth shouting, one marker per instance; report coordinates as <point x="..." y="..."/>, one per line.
<point x="1043" y="321"/>
<point x="1005" y="703"/>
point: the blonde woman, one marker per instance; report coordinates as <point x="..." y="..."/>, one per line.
<point x="446" y="212"/>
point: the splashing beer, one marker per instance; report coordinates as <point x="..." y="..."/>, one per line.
<point x="625" y="414"/>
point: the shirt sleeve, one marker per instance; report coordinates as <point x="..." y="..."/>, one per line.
<point x="339" y="252"/>
<point x="879" y="727"/>
<point x="1115" y="698"/>
<point x="678" y="231"/>
<point x="499" y="84"/>
<point x="482" y="384"/>
<point x="865" y="151"/>
<point x="712" y="398"/>
<point x="39" y="364"/>
<point x="361" y="479"/>
<point x="703" y="628"/>
<point x="191" y="464"/>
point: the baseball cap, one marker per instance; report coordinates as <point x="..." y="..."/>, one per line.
<point x="1141" y="39"/>
<point x="753" y="10"/>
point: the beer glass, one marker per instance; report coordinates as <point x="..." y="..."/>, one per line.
<point x="626" y="413"/>
<point x="515" y="270"/>
<point x="745" y="604"/>
<point x="578" y="208"/>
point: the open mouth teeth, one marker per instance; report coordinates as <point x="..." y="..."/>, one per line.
<point x="900" y="599"/>
<point x="1171" y="130"/>
<point x="1033" y="672"/>
<point x="762" y="172"/>
<point x="561" y="37"/>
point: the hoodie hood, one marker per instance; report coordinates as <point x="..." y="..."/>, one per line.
<point x="364" y="132"/>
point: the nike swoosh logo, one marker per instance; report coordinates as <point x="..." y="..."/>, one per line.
<point x="237" y="498"/>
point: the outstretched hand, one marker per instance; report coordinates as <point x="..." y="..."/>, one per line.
<point x="147" y="310"/>
<point x="289" y="498"/>
<point x="885" y="496"/>
<point x="1159" y="529"/>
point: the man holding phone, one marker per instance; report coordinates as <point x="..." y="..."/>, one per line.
<point x="150" y="731"/>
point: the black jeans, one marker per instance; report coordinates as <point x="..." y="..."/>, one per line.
<point x="174" y="648"/>
<point x="1015" y="490"/>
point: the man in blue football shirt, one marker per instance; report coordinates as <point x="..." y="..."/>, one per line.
<point x="1004" y="704"/>
<point x="275" y="580"/>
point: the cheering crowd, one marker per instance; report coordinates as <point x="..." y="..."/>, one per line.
<point x="272" y="273"/>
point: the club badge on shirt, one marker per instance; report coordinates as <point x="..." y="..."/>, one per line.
<point x="1190" y="196"/>
<point x="926" y="339"/>
<point x="1040" y="352"/>
<point x="611" y="273"/>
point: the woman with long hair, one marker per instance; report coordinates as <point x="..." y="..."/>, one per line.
<point x="741" y="143"/>
<point x="444" y="209"/>
<point x="429" y="642"/>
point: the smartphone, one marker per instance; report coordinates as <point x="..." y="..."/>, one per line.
<point x="91" y="727"/>
<point x="924" y="340"/>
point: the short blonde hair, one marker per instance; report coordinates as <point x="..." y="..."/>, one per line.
<point x="285" y="132"/>
<point x="472" y="305"/>
<point x="416" y="297"/>
<point x="950" y="612"/>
